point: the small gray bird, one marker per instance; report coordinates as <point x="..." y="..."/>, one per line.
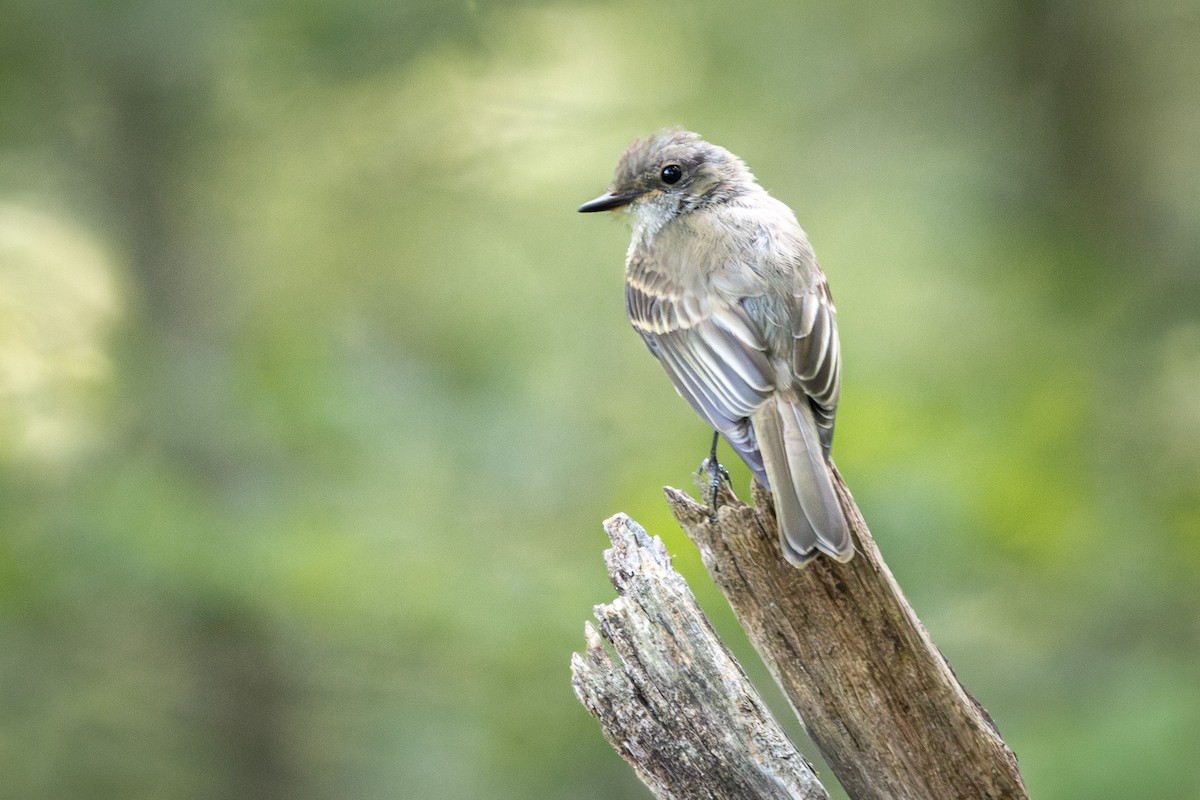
<point x="722" y="285"/>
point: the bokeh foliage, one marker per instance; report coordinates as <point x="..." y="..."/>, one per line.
<point x="314" y="388"/>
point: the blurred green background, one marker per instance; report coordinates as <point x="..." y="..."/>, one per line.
<point x="314" y="388"/>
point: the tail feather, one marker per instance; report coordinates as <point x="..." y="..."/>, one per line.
<point x="811" y="519"/>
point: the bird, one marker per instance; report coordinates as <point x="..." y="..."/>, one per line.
<point x="722" y="285"/>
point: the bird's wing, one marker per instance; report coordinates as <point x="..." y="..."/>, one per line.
<point x="713" y="353"/>
<point x="816" y="355"/>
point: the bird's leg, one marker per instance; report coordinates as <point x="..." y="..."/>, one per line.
<point x="715" y="472"/>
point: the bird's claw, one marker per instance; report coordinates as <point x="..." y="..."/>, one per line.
<point x="716" y="473"/>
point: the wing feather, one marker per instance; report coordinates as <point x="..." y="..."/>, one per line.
<point x="816" y="357"/>
<point x="692" y="388"/>
<point x="730" y="348"/>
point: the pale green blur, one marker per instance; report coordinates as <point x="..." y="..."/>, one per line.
<point x="314" y="388"/>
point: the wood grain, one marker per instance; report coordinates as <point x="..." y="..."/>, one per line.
<point x="859" y="668"/>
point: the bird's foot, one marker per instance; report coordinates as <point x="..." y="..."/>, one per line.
<point x="715" y="474"/>
<point x="712" y="469"/>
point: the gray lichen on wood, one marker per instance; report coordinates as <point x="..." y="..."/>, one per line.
<point x="669" y="697"/>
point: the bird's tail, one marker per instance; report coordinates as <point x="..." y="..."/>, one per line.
<point x="810" y="516"/>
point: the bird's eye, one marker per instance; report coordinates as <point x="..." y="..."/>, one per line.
<point x="671" y="174"/>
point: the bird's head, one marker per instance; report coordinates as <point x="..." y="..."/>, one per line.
<point x="672" y="173"/>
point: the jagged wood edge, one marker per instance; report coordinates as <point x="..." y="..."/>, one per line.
<point x="669" y="696"/>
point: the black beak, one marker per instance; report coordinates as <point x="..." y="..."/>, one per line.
<point x="606" y="202"/>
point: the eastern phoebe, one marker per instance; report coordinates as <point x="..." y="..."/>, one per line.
<point x="723" y="286"/>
